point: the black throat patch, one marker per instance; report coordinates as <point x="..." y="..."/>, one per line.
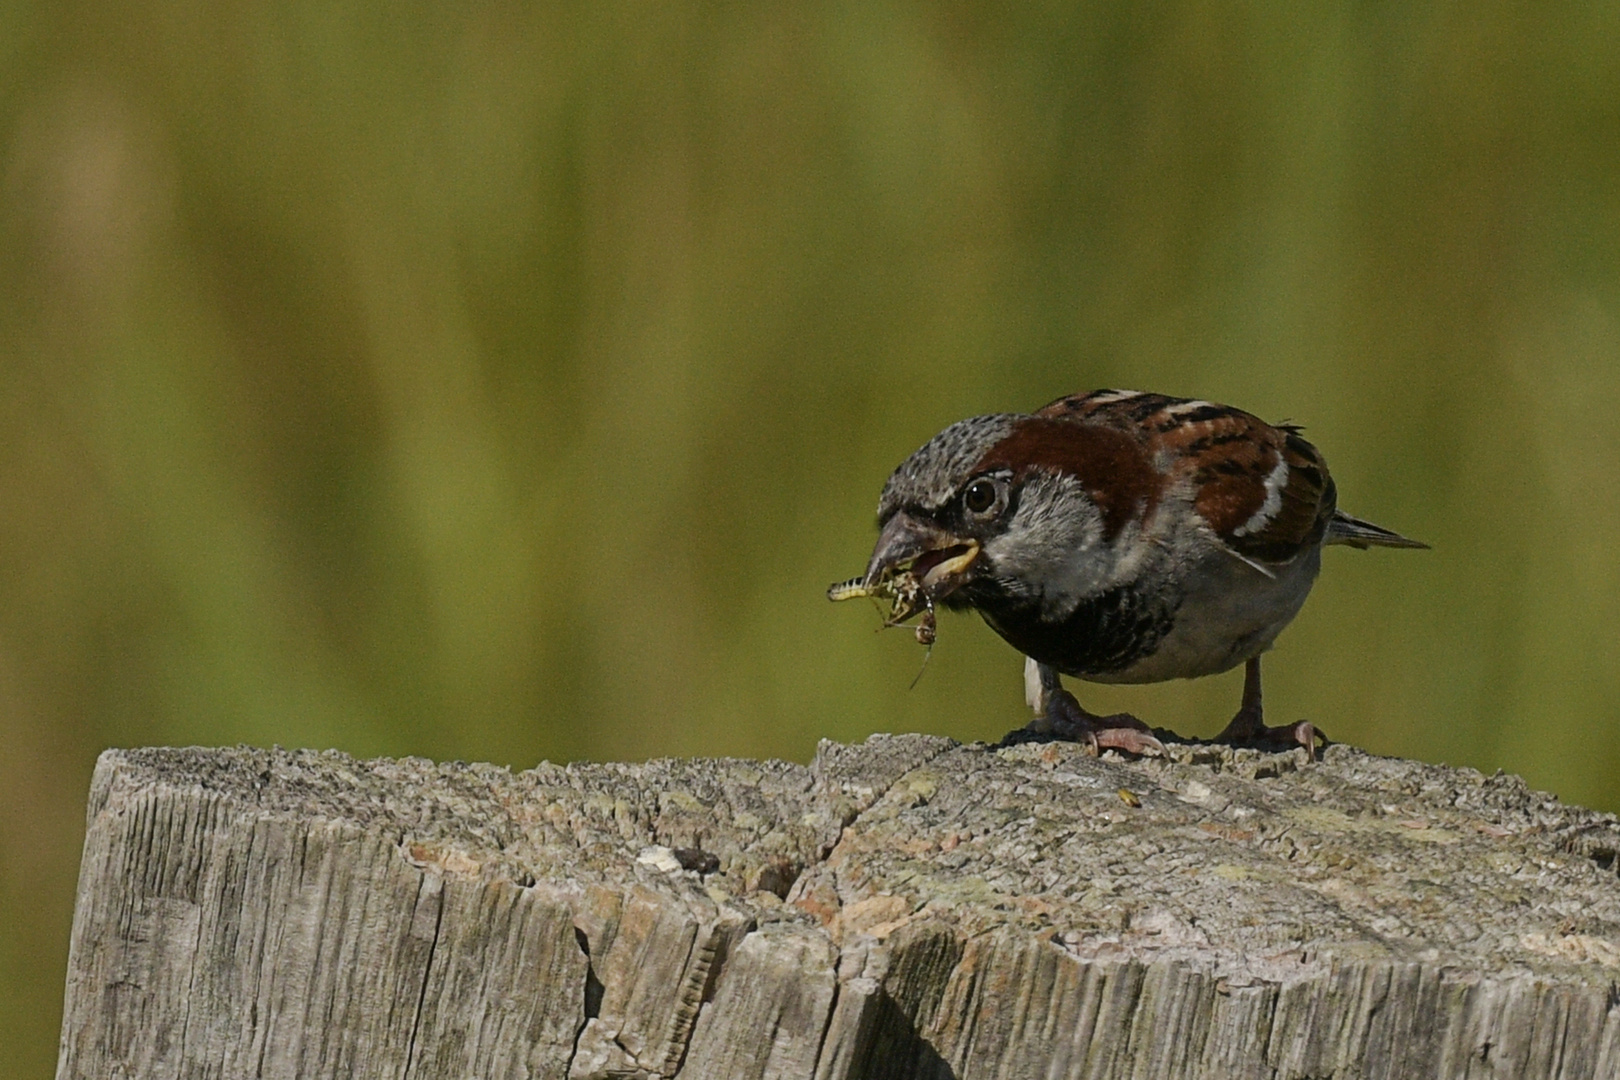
<point x="1104" y="635"/>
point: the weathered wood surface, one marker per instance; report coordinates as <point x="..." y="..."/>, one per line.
<point x="905" y="908"/>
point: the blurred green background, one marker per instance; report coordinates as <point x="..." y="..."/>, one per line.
<point x="504" y="382"/>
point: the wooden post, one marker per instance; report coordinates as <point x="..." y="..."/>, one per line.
<point x="907" y="908"/>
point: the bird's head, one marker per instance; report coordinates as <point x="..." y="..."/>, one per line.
<point x="1008" y="510"/>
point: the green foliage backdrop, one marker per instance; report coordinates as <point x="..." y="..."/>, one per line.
<point x="507" y="381"/>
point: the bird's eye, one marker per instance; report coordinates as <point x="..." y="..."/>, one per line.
<point x="979" y="497"/>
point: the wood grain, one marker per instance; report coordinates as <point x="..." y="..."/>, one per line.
<point x="906" y="908"/>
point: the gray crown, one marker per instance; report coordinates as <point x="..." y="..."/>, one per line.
<point x="929" y="477"/>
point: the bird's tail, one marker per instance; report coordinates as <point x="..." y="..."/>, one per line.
<point x="1344" y="529"/>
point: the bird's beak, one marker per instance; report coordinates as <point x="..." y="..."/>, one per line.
<point x="938" y="559"/>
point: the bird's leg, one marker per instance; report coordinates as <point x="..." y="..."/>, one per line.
<point x="1057" y="712"/>
<point x="1041" y="681"/>
<point x="1248" y="727"/>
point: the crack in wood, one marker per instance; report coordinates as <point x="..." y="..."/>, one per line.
<point x="427" y="967"/>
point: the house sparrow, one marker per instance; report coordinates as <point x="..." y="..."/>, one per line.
<point x="1117" y="537"/>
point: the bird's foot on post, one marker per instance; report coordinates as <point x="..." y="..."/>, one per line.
<point x="1248" y="727"/>
<point x="1067" y="720"/>
<point x="1058" y="713"/>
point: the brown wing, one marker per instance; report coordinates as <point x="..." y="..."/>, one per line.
<point x="1263" y="489"/>
<point x="1268" y="497"/>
